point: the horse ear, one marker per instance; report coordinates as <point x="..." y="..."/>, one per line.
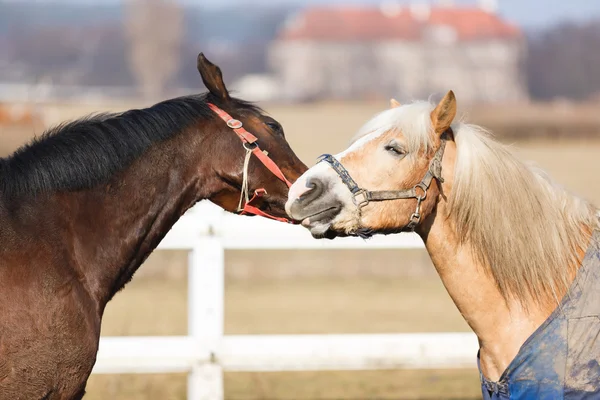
<point x="443" y="115"/>
<point x="394" y="103"/>
<point x="212" y="78"/>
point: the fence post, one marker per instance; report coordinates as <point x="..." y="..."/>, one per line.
<point x="205" y="316"/>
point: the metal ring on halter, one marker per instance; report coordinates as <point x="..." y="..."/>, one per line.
<point x="252" y="145"/>
<point x="234" y="123"/>
<point x="421" y="186"/>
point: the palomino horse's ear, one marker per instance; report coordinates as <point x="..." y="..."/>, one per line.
<point x="212" y="78"/>
<point x="444" y="113"/>
<point x="394" y="103"/>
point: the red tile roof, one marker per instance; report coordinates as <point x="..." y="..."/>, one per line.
<point x="371" y="23"/>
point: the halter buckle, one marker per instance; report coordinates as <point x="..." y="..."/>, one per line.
<point x="361" y="198"/>
<point x="234" y="123"/>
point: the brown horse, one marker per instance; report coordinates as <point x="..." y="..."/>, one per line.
<point x="84" y="205"/>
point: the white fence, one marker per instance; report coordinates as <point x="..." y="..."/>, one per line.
<point x="205" y="353"/>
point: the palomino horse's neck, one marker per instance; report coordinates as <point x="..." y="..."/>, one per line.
<point x="501" y="325"/>
<point x="500" y="328"/>
<point x="118" y="225"/>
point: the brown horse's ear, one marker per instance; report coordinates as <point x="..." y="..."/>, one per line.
<point x="444" y="113"/>
<point x="212" y="78"/>
<point x="394" y="103"/>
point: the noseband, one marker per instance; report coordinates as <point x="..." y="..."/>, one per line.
<point x="250" y="144"/>
<point x="361" y="197"/>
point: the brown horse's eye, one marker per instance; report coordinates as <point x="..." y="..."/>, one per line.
<point x="275" y="126"/>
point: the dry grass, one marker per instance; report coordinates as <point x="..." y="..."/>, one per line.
<point x="330" y="385"/>
<point x="157" y="307"/>
<point x="319" y="305"/>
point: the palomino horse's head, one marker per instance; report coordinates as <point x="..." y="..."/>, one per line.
<point x="386" y="181"/>
<point x="251" y="156"/>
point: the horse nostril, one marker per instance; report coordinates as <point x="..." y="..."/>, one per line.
<point x="316" y="189"/>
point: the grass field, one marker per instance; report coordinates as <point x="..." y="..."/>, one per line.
<point x="325" y="292"/>
<point x="358" y="305"/>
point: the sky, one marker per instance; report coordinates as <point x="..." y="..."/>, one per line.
<point x="531" y="13"/>
<point x="527" y="13"/>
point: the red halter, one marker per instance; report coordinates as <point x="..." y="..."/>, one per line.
<point x="250" y="143"/>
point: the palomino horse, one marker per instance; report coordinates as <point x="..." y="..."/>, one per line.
<point x="506" y="241"/>
<point x="84" y="205"/>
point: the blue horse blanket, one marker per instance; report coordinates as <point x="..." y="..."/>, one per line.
<point x="560" y="359"/>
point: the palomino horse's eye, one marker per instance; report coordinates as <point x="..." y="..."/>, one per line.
<point x="395" y="150"/>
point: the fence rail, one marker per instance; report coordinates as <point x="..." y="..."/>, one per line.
<point x="206" y="232"/>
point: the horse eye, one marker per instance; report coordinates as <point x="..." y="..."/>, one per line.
<point x="397" y="151"/>
<point x="274" y="126"/>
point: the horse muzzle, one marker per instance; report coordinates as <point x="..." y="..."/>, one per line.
<point x="311" y="202"/>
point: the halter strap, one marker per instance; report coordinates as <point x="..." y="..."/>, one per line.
<point x="236" y="125"/>
<point x="250" y="143"/>
<point x="362" y="197"/>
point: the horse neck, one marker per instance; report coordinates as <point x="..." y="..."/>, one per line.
<point x="116" y="226"/>
<point x="501" y="326"/>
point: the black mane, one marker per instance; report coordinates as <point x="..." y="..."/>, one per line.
<point x="86" y="152"/>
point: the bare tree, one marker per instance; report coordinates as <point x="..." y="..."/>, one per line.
<point x="564" y="61"/>
<point x="154" y="29"/>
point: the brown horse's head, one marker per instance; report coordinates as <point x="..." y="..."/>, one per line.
<point x="231" y="151"/>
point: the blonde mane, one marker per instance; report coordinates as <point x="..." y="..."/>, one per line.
<point x="527" y="230"/>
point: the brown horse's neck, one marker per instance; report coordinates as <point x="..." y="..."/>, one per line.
<point x="119" y="224"/>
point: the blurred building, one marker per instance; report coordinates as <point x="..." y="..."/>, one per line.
<point x="404" y="51"/>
